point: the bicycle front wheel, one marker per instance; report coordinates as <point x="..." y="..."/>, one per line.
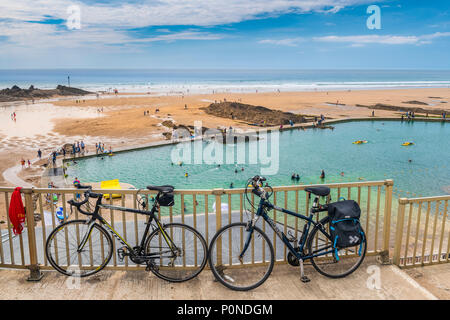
<point x="180" y="252"/>
<point x="246" y="272"/>
<point x="348" y="260"/>
<point x="63" y="253"/>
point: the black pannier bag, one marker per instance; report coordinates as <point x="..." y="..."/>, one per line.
<point x="345" y="229"/>
<point x="166" y="199"/>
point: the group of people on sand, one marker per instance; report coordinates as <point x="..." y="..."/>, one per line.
<point x="23" y="162"/>
<point x="100" y="148"/>
<point x="409" y="115"/>
<point x="78" y="148"/>
<point x="320" y="120"/>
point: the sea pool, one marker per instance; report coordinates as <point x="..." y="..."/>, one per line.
<point x="418" y="170"/>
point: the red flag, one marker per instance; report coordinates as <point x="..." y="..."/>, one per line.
<point x="16" y="211"/>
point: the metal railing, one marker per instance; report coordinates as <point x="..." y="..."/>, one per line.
<point x="423" y="231"/>
<point x="205" y="210"/>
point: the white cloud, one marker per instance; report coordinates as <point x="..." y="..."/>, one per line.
<point x="360" y="40"/>
<point x="291" y="42"/>
<point x="169" y="12"/>
<point x="107" y="23"/>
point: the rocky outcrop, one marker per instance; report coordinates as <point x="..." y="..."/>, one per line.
<point x="253" y="115"/>
<point x="381" y="106"/>
<point x="15" y="93"/>
<point x="416" y="102"/>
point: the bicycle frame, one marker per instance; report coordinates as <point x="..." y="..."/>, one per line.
<point x="299" y="254"/>
<point x="140" y="248"/>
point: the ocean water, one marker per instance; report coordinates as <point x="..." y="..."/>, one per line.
<point x="306" y="153"/>
<point x="166" y="81"/>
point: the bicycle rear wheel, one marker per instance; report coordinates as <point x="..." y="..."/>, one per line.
<point x="190" y="255"/>
<point x="328" y="265"/>
<point x="240" y="274"/>
<point x="62" y="249"/>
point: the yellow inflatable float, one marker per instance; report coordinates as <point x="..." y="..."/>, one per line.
<point x="111" y="184"/>
<point x="359" y="141"/>
<point x="407" y="143"/>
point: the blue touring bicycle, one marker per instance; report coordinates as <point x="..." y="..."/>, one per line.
<point x="239" y="244"/>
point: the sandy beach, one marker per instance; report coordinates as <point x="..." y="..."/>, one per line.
<point x="119" y="121"/>
<point x="124" y="117"/>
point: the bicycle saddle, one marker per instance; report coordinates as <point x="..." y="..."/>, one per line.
<point x="165" y="188"/>
<point x="319" y="191"/>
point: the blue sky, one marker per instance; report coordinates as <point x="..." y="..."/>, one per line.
<point x="281" y="34"/>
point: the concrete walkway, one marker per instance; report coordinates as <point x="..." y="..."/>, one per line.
<point x="283" y="284"/>
<point x="434" y="278"/>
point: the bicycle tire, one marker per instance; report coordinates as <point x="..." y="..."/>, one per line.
<point x="92" y="269"/>
<point x="217" y="273"/>
<point x="321" y="261"/>
<point x="155" y="268"/>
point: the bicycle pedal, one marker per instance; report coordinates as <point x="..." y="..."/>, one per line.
<point x="121" y="253"/>
<point x="305" y="279"/>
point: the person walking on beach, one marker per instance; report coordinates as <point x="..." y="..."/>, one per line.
<point x="39" y="154"/>
<point x="22" y="162"/>
<point x="54" y="158"/>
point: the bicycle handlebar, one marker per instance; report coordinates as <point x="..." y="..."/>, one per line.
<point x="87" y="194"/>
<point x="258" y="190"/>
<point x="257" y="184"/>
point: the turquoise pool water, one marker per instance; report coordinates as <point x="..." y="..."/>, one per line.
<point x="306" y="153"/>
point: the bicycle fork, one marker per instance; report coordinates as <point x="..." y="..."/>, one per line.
<point x="86" y="236"/>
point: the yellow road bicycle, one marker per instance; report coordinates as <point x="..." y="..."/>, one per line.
<point x="174" y="252"/>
